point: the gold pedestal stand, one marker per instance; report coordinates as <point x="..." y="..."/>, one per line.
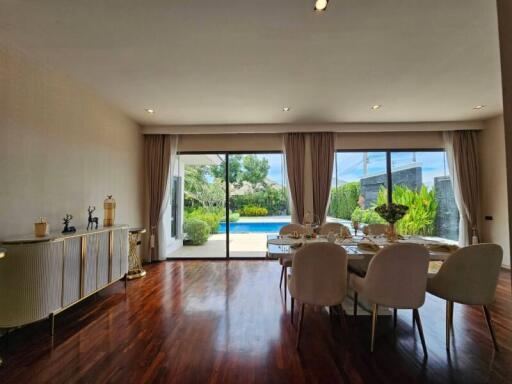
<point x="135" y="269"/>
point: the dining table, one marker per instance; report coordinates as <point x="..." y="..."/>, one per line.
<point x="360" y="249"/>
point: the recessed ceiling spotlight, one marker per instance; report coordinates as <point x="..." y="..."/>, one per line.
<point x="376" y="106"/>
<point x="477" y="107"/>
<point x="149" y="110"/>
<point x="286" y="109"/>
<point x="321" y="5"/>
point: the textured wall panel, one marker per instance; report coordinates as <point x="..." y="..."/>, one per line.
<point x="72" y="257"/>
<point x="31" y="282"/>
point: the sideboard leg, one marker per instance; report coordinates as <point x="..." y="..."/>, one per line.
<point x="52" y="324"/>
<point x="125" y="283"/>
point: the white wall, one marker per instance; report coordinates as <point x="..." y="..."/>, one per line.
<point x="61" y="150"/>
<point x="493" y="177"/>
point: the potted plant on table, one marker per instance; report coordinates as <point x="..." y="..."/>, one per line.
<point x="392" y="213"/>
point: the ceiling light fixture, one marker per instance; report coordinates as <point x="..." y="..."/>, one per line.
<point x="286" y="109"/>
<point x="477" y="107"/>
<point x="376" y="106"/>
<point x="321" y="5"/>
<point x="149" y="110"/>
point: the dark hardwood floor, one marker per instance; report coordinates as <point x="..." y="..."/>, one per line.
<point x="226" y="322"/>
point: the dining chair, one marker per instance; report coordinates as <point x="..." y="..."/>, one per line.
<point x="468" y="276"/>
<point x="335" y="228"/>
<point x="396" y="278"/>
<point x="319" y="277"/>
<point x="286" y="261"/>
<point x="377" y="229"/>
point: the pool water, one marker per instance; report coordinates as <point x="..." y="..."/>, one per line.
<point x="237" y="227"/>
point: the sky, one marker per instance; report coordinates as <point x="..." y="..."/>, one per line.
<point x="350" y="164"/>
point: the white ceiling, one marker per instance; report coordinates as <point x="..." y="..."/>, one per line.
<point x="241" y="61"/>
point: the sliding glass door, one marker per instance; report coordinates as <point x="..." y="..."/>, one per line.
<point x="229" y="203"/>
<point x="258" y="201"/>
<point x="199" y="198"/>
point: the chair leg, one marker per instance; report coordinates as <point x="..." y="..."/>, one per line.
<point x="416" y="314"/>
<point x="355" y="304"/>
<point x="451" y="315"/>
<point x="491" y="329"/>
<point x="301" y="319"/>
<point x="343" y="318"/>
<point x="282" y="276"/>
<point x="413" y="321"/>
<point x="395" y="314"/>
<point x="293" y="308"/>
<point x="285" y="280"/>
<point x="448" y="322"/>
<point x="374" y="323"/>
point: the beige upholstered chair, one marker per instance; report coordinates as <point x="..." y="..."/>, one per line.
<point x="319" y="277"/>
<point x="396" y="278"/>
<point x="286" y="262"/>
<point x="377" y="229"/>
<point x="468" y="276"/>
<point x="335" y="228"/>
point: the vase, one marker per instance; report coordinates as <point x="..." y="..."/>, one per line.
<point x="391" y="233"/>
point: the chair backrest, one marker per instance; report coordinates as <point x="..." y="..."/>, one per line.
<point x="335" y="228"/>
<point x="319" y="274"/>
<point x="397" y="276"/>
<point x="290" y="228"/>
<point x="470" y="274"/>
<point x="377" y="229"/>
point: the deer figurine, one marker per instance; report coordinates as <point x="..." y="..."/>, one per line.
<point x="66" y="220"/>
<point x="92" y="220"/>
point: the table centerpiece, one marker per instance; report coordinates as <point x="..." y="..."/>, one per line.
<point x="392" y="213"/>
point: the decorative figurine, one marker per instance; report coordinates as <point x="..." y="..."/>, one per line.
<point x="65" y="221"/>
<point x="91" y="220"/>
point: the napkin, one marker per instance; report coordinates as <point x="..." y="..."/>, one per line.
<point x="368" y="246"/>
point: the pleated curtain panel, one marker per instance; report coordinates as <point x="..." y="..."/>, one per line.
<point x="322" y="162"/>
<point x="295" y="150"/>
<point x="159" y="154"/>
<point x="462" y="153"/>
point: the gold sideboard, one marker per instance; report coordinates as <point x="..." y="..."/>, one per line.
<point x="40" y="277"/>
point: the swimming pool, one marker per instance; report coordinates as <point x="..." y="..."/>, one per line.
<point x="268" y="227"/>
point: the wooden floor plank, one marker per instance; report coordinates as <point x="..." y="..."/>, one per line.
<point x="227" y="322"/>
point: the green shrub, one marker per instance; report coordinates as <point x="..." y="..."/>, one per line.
<point x="211" y="216"/>
<point x="197" y="231"/>
<point x="421" y="217"/>
<point x="234" y="216"/>
<point x="275" y="200"/>
<point x="344" y="200"/>
<point x="367" y="216"/>
<point x="251" y="210"/>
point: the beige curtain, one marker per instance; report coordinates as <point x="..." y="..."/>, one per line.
<point x="157" y="156"/>
<point x="462" y="152"/>
<point x="322" y="161"/>
<point x="294" y="149"/>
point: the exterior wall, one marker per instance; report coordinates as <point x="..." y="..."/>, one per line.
<point x="61" y="150"/>
<point x="493" y="190"/>
<point x="447" y="219"/>
<point x="370" y="186"/>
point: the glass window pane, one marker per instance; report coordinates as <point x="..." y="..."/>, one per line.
<point x="258" y="201"/>
<point x="359" y="184"/>
<point x="422" y="182"/>
<point x="199" y="198"/>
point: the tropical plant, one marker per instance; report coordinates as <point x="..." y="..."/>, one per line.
<point x="197" y="231"/>
<point x="251" y="210"/>
<point x="366" y="216"/>
<point x="275" y="200"/>
<point x="344" y="200"/>
<point x="421" y="216"/>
